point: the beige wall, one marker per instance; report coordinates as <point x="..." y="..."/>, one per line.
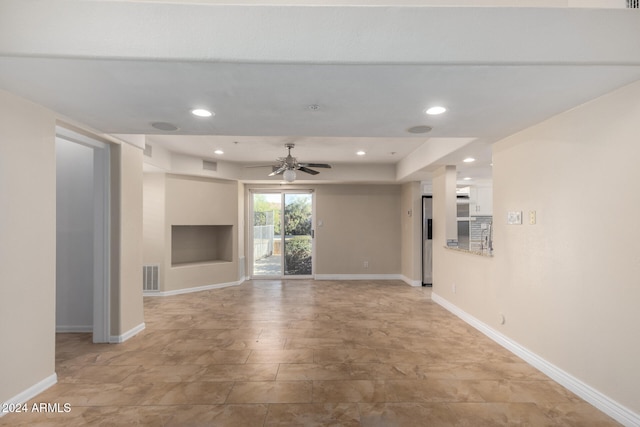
<point x="27" y="244"/>
<point x="568" y="286"/>
<point x="242" y="213"/>
<point x="153" y="196"/>
<point x="184" y="200"/>
<point x="128" y="309"/>
<point x="411" y="225"/>
<point x="360" y="223"/>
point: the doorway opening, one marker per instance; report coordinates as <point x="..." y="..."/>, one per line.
<point x="282" y="235"/>
<point x="82" y="235"/>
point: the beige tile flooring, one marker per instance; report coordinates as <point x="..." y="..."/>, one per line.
<point x="302" y="353"/>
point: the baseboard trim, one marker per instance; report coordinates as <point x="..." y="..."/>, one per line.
<point x="190" y="290"/>
<point x="241" y="267"/>
<point x="604" y="403"/>
<point x="358" y="277"/>
<point x="30" y="393"/>
<point x="117" y="339"/>
<point x="411" y="282"/>
<point x="66" y="329"/>
<point x="402" y="277"/>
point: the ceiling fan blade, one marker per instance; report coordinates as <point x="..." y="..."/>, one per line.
<point x="315" y="165"/>
<point x="278" y="170"/>
<point x="307" y="170"/>
<point x="258" y="166"/>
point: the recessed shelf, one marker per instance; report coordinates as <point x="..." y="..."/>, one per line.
<point x="201" y="244"/>
<point x="198" y="264"/>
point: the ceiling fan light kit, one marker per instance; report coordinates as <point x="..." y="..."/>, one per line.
<point x="289" y="175"/>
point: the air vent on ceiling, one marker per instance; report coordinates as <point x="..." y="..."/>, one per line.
<point x="148" y="150"/>
<point x="209" y="166"/>
<point x="633" y="4"/>
<point x="150" y="280"/>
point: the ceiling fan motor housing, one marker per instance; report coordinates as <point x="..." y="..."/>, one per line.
<point x="290" y="163"/>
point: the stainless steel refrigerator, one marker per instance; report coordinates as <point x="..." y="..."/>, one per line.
<point x="464" y="224"/>
<point x="427" y="240"/>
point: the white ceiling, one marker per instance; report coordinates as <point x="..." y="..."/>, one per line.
<point x="372" y="71"/>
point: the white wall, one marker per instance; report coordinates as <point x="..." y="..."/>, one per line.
<point x="74" y="237"/>
<point x="569" y="285"/>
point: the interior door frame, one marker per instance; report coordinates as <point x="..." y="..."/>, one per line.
<point x="281" y="192"/>
<point x="101" y="231"/>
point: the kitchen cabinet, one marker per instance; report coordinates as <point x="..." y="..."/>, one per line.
<point x="481" y="201"/>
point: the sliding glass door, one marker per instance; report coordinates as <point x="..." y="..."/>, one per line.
<point x="267" y="234"/>
<point x="282" y="234"/>
<point x="298" y="239"/>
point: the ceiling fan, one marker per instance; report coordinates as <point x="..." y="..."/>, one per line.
<point x="287" y="166"/>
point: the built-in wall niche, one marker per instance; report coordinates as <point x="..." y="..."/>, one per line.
<point x="197" y="244"/>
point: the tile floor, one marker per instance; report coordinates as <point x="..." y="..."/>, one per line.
<point x="302" y="353"/>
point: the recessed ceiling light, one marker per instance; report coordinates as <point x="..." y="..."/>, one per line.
<point x="360" y="153"/>
<point x="200" y="112"/>
<point x="219" y="152"/>
<point x="467" y="178"/>
<point x="164" y="126"/>
<point x="469" y="160"/>
<point x="435" y="110"/>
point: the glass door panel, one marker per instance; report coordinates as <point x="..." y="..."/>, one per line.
<point x="282" y="235"/>
<point x="298" y="242"/>
<point x="267" y="236"/>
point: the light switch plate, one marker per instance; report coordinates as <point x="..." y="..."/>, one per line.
<point x="532" y="217"/>
<point x="514" y="217"/>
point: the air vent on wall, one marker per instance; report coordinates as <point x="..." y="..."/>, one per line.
<point x="209" y="166"/>
<point x="150" y="280"/>
<point x="148" y="150"/>
<point x="633" y="4"/>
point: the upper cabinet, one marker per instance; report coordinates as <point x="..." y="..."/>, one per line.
<point x="481" y="201"/>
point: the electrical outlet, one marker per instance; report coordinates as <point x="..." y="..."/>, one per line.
<point x="532" y="217"/>
<point x="365" y="264"/>
<point x="453" y="288"/>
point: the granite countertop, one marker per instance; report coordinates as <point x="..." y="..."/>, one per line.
<point x="484" y="252"/>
